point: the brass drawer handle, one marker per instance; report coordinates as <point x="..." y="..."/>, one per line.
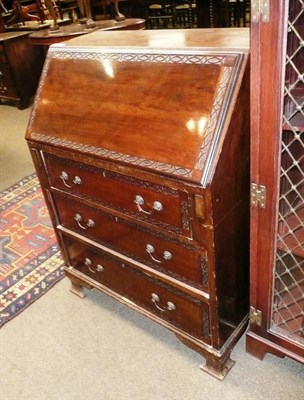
<point x="139" y="201"/>
<point x="89" y="264"/>
<point x="65" y="177"/>
<point x="150" y="250"/>
<point x="3" y="89"/>
<point x="89" y="224"/>
<point x="155" y="299"/>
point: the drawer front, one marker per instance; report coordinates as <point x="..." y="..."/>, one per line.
<point x="5" y="73"/>
<point x="3" y="58"/>
<point x="174" y="306"/>
<point x="170" y="257"/>
<point x="155" y="204"/>
<point x="7" y="89"/>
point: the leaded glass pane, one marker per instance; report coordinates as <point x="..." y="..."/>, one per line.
<point x="288" y="296"/>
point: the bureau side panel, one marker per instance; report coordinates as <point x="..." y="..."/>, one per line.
<point x="230" y="202"/>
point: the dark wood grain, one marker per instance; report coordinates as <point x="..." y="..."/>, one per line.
<point x="119" y="192"/>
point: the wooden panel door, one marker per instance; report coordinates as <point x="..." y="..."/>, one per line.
<point x="277" y="174"/>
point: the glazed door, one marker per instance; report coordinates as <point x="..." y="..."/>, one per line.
<point x="287" y="310"/>
<point x="277" y="174"/>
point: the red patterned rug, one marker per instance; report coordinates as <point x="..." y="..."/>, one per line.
<point x="30" y="261"/>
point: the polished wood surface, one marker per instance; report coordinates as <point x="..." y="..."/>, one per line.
<point x="117" y="191"/>
<point x="113" y="235"/>
<point x="229" y="39"/>
<point x="133" y="284"/>
<point x="143" y="157"/>
<point x="178" y="106"/>
<point x="118" y="128"/>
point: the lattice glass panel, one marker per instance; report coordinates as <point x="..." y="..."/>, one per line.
<point x="288" y="293"/>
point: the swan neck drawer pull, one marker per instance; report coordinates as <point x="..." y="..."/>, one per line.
<point x="89" y="264"/>
<point x="89" y="224"/>
<point x="150" y="250"/>
<point x="155" y="299"/>
<point x="65" y="177"/>
<point x="139" y="201"/>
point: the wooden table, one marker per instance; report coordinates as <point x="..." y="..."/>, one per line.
<point x="46" y="37"/>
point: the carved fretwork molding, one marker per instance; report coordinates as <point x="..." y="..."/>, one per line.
<point x="204" y="271"/>
<point x="115" y="175"/>
<point x="206" y="324"/>
<point x="109" y="154"/>
<point x="137" y="56"/>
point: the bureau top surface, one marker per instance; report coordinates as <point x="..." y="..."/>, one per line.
<point x="225" y="38"/>
<point x="158" y="100"/>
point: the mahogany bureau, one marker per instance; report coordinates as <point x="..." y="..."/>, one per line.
<point x="140" y="141"/>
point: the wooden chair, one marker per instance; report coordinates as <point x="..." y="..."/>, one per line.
<point x="236" y="12"/>
<point x="183" y="11"/>
<point x="159" y="14"/>
<point x="70" y="8"/>
<point x="106" y="9"/>
<point x="34" y="10"/>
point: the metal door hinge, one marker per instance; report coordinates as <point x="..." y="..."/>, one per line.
<point x="255" y="316"/>
<point x="258" y="195"/>
<point x="260" y="8"/>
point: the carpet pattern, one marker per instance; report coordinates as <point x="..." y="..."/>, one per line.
<point x="30" y="261"/>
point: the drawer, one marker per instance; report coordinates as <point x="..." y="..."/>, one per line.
<point x="155" y="204"/>
<point x="174" y="306"/>
<point x="7" y="89"/>
<point x="5" y="73"/>
<point x="3" y="57"/>
<point x="168" y="256"/>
